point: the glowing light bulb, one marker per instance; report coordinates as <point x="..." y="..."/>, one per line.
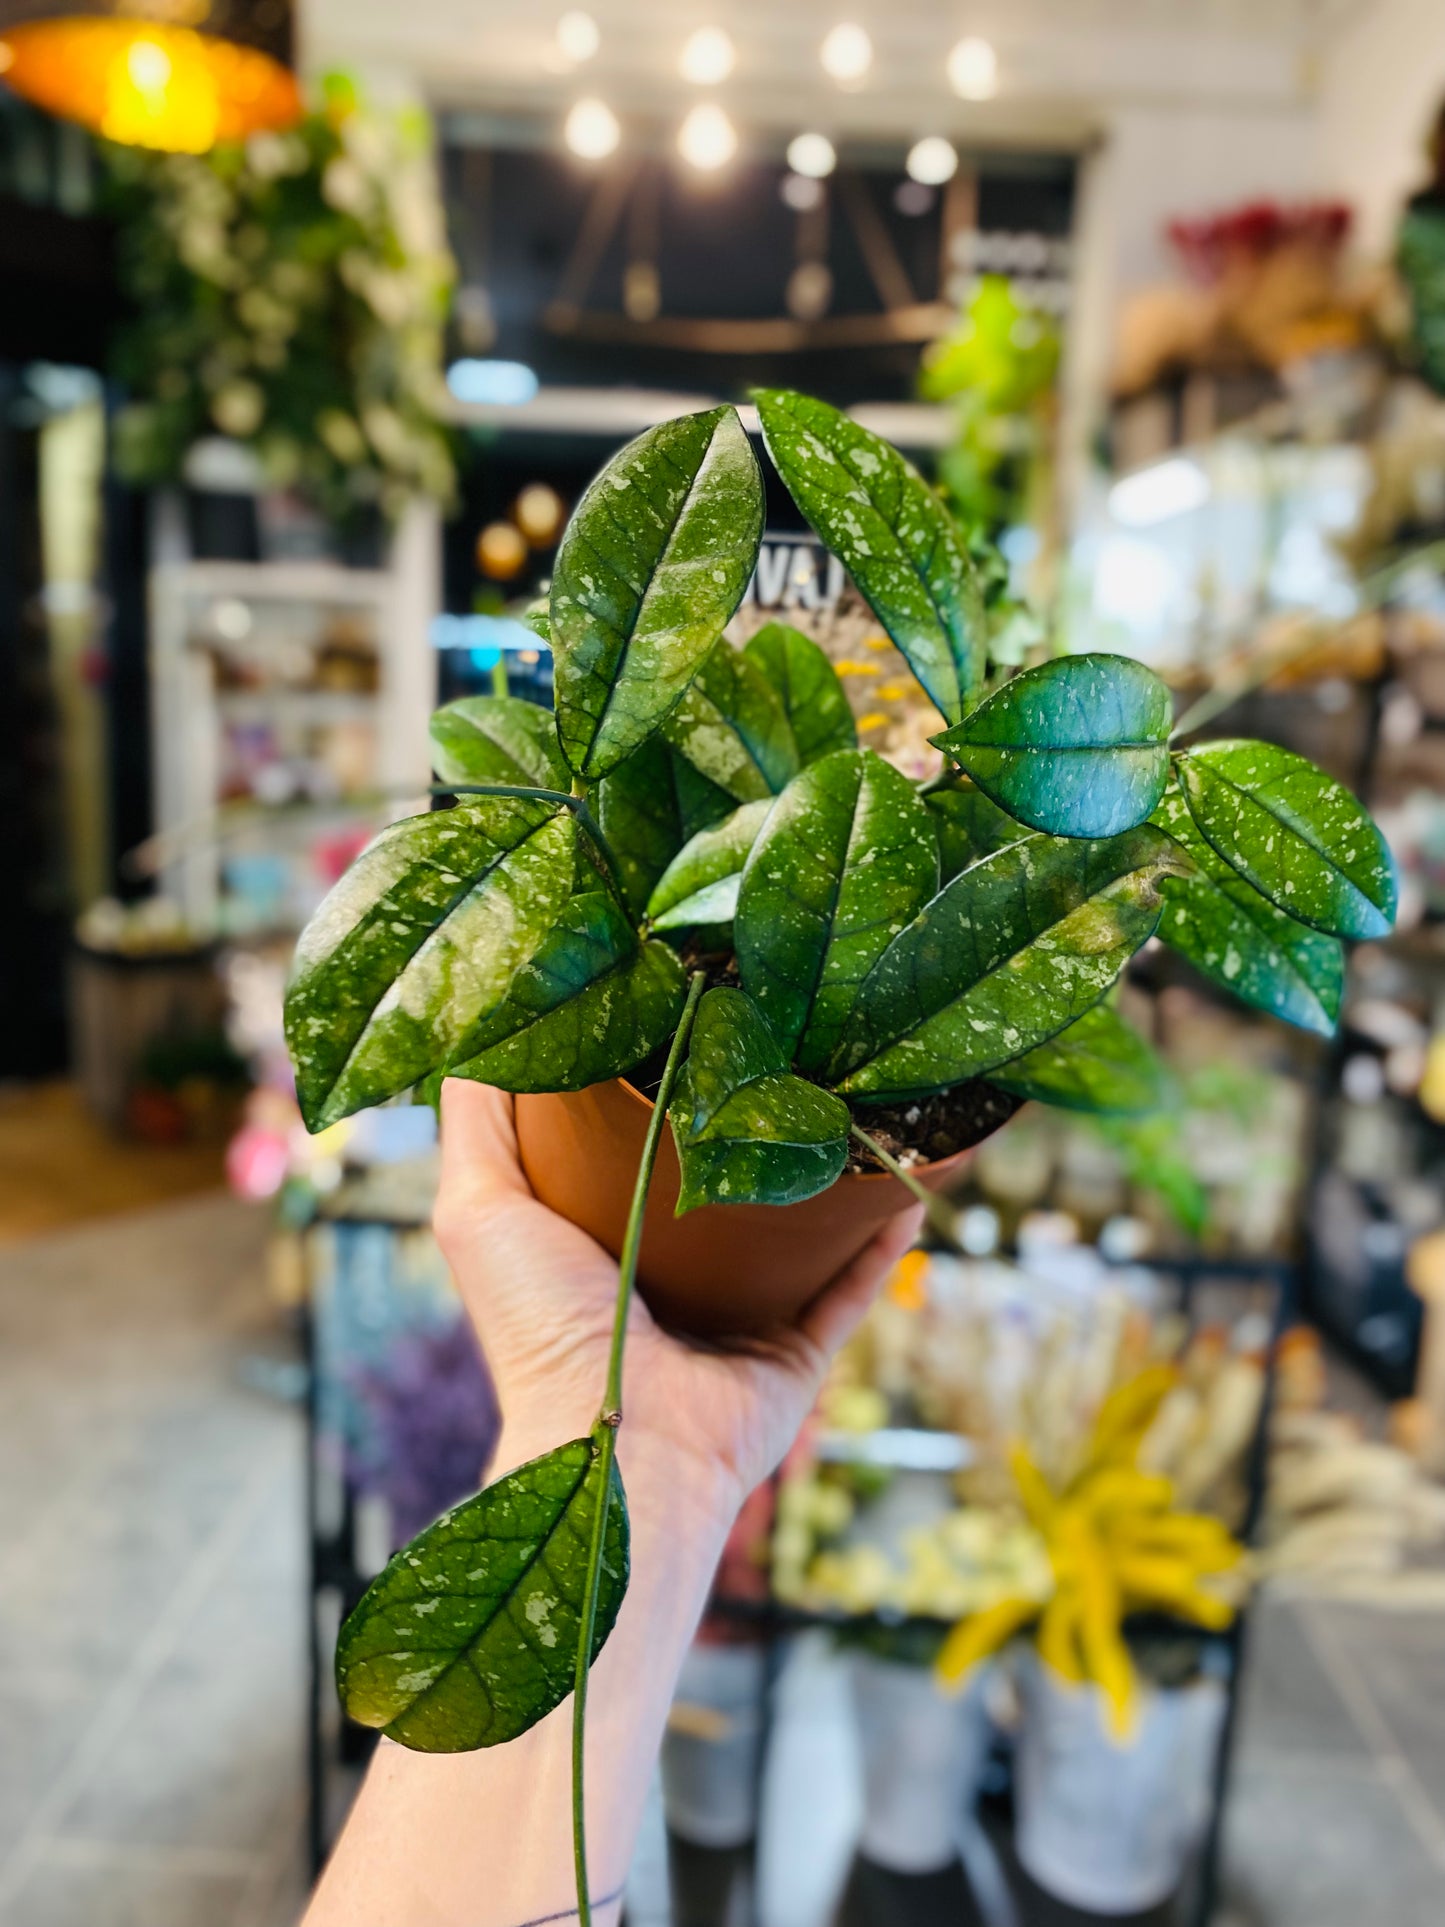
<point x="973" y="70"/>
<point x="707" y="139"/>
<point x="708" y="57"/>
<point x="847" y="53"/>
<point x="813" y="155"/>
<point x="591" y="130"/>
<point x="149" y="66"/>
<point x="932" y="161"/>
<point x="578" y="37"/>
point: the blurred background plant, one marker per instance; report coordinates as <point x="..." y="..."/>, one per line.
<point x="290" y="294"/>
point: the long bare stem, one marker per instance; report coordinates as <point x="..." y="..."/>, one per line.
<point x="936" y="1209"/>
<point x="604" y="1437"/>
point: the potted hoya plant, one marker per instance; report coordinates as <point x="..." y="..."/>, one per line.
<point x="689" y="896"/>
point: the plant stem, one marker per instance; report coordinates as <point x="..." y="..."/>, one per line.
<point x="940" y="1217"/>
<point x="604" y="1436"/>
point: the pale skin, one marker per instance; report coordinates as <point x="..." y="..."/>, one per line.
<point x="484" y="1839"/>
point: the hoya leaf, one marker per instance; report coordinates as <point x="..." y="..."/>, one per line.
<point x="811" y="690"/>
<point x="1299" y="836"/>
<point x="588" y="1005"/>
<point x="1240" y="940"/>
<point x="417" y="942"/>
<point x="648" y="808"/>
<point x="1098" y="1064"/>
<point x="748" y="1131"/>
<point x="653" y="563"/>
<point x="538" y="618"/>
<point x="700" y="885"/>
<point x="891" y="533"/>
<point x="846" y="858"/>
<point x="497" y="739"/>
<point x="732" y="728"/>
<point x="1004" y="957"/>
<point x="1076" y="747"/>
<point x="470" y="1635"/>
<point x="968" y="826"/>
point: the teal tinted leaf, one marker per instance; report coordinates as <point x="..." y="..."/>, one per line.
<point x="653" y="563"/>
<point x="1005" y="957"/>
<point x="846" y="858"/>
<point x="589" y="1005"/>
<point x="968" y="826"/>
<point x="1076" y="747"/>
<point x="747" y="1130"/>
<point x="891" y="533"/>
<point x="470" y="1635"/>
<point x="420" y="938"/>
<point x="1240" y="940"/>
<point x="497" y="739"/>
<point x="648" y="807"/>
<point x="732" y="728"/>
<point x="1299" y="836"/>
<point x="1098" y="1064"/>
<point x="811" y="690"/>
<point x="700" y="885"/>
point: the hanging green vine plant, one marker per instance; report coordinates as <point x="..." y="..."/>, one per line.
<point x="884" y="941"/>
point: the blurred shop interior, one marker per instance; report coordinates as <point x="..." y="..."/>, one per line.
<point x="290" y="427"/>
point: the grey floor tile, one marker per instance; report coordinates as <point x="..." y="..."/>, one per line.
<point x="1290" y="1704"/>
<point x="61" y="1893"/>
<point x="1400" y="1660"/>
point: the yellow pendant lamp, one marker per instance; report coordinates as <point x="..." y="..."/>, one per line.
<point x="173" y="74"/>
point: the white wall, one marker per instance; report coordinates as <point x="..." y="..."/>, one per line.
<point x="1380" y="84"/>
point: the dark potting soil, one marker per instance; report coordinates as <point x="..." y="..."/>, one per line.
<point x="921" y="1130"/>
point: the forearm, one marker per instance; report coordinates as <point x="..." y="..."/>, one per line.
<point x="484" y="1839"/>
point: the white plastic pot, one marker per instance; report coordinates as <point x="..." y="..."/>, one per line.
<point x="922" y="1754"/>
<point x="1104" y="1825"/>
<point x="710" y="1763"/>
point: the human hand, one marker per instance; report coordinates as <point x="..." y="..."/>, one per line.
<point x="540" y="1294"/>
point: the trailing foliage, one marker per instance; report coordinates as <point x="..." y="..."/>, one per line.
<point x="889" y="940"/>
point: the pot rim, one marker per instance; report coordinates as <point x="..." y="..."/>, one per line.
<point x="858" y="1177"/>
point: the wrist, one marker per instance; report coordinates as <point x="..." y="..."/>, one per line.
<point x="690" y="1493"/>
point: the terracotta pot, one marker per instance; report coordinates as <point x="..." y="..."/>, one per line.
<point x="721" y="1269"/>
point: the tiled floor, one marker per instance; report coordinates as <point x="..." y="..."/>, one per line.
<point x="151" y="1619"/>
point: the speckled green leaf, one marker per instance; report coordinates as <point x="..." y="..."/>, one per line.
<point x="968" y="826"/>
<point x="589" y="1005"/>
<point x="470" y="1635"/>
<point x="1238" y="938"/>
<point x="1098" y="1064"/>
<point x="847" y="858"/>
<point x="1299" y="836"/>
<point x="747" y="1130"/>
<point x="891" y="533"/>
<point x="420" y="938"/>
<point x="497" y="739"/>
<point x="700" y="885"/>
<point x="1005" y="957"/>
<point x="732" y="728"/>
<point x="811" y="690"/>
<point x="648" y="808"/>
<point x="1076" y="747"/>
<point x="653" y="563"/>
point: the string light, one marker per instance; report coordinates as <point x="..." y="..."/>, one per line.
<point x="932" y="161"/>
<point x="973" y="70"/>
<point x="708" y="57"/>
<point x="707" y="139"/>
<point x="591" y="130"/>
<point x="578" y="37"/>
<point x="846" y="53"/>
<point x="813" y="155"/>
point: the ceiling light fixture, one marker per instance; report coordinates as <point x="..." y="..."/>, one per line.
<point x="932" y="161"/>
<point x="707" y="139"/>
<point x="813" y="155"/>
<point x="846" y="53"/>
<point x="591" y="130"/>
<point x="578" y="37"/>
<point x="973" y="70"/>
<point x="153" y="81"/>
<point x="708" y="57"/>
